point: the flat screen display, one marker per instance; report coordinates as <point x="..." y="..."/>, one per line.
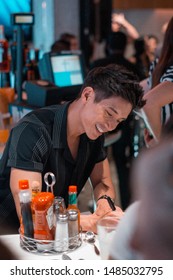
<point x="67" y="70"/>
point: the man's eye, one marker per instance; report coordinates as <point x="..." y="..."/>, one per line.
<point x="108" y="114"/>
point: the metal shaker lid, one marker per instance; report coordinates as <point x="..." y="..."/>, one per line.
<point x="62" y="217"/>
<point x="72" y="214"/>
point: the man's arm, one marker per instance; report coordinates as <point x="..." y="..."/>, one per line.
<point x="19" y="174"/>
<point x="102" y="184"/>
<point x="122" y="21"/>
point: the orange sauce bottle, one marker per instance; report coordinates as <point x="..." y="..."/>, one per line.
<point x="44" y="218"/>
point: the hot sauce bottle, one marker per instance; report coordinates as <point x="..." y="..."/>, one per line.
<point x="26" y="220"/>
<point x="44" y="218"/>
<point x="72" y="202"/>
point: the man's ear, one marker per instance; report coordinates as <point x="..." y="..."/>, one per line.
<point x="88" y="93"/>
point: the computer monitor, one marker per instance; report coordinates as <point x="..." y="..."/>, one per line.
<point x="67" y="70"/>
<point x="64" y="73"/>
<point x="64" y="69"/>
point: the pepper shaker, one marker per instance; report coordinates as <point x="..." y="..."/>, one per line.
<point x="73" y="227"/>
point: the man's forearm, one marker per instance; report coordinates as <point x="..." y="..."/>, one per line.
<point x="103" y="189"/>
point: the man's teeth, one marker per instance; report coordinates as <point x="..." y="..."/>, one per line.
<point x="99" y="129"/>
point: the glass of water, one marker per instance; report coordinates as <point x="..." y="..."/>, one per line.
<point x="106" y="228"/>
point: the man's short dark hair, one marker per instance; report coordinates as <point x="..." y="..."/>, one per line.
<point x="115" y="80"/>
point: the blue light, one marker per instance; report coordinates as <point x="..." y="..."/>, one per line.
<point x="9" y="7"/>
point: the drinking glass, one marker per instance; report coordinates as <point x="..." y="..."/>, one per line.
<point x="106" y="228"/>
<point x="59" y="205"/>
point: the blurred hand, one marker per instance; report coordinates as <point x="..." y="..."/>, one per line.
<point x="89" y="222"/>
<point x="118" y="18"/>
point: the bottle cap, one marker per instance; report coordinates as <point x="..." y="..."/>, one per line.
<point x="23" y="184"/>
<point x="72" y="188"/>
<point x="43" y="200"/>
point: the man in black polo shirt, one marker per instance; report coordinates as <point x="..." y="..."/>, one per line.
<point x="68" y="140"/>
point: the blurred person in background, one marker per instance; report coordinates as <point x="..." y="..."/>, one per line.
<point x="140" y="58"/>
<point x="152" y="43"/>
<point x="71" y="39"/>
<point x="60" y="45"/>
<point x="145" y="232"/>
<point x="148" y="206"/>
<point x="116" y="47"/>
<point x="152" y="237"/>
<point x="158" y="89"/>
<point x="120" y="23"/>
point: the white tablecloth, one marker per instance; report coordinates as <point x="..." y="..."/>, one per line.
<point x="85" y="251"/>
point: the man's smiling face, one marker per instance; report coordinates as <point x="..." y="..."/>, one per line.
<point x="104" y="116"/>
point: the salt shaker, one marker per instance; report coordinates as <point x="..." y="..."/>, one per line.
<point x="61" y="233"/>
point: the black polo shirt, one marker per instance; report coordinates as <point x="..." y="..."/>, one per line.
<point x="39" y="143"/>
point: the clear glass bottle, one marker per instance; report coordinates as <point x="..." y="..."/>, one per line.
<point x="4" y="60"/>
<point x="59" y="205"/>
<point x="72" y="201"/>
<point x="26" y="211"/>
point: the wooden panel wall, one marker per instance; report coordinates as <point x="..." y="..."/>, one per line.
<point x="141" y="4"/>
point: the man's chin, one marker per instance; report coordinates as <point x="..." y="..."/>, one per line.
<point x="93" y="137"/>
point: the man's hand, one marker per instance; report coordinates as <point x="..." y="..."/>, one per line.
<point x="89" y="222"/>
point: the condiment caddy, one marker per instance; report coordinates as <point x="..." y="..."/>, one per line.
<point x="55" y="228"/>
